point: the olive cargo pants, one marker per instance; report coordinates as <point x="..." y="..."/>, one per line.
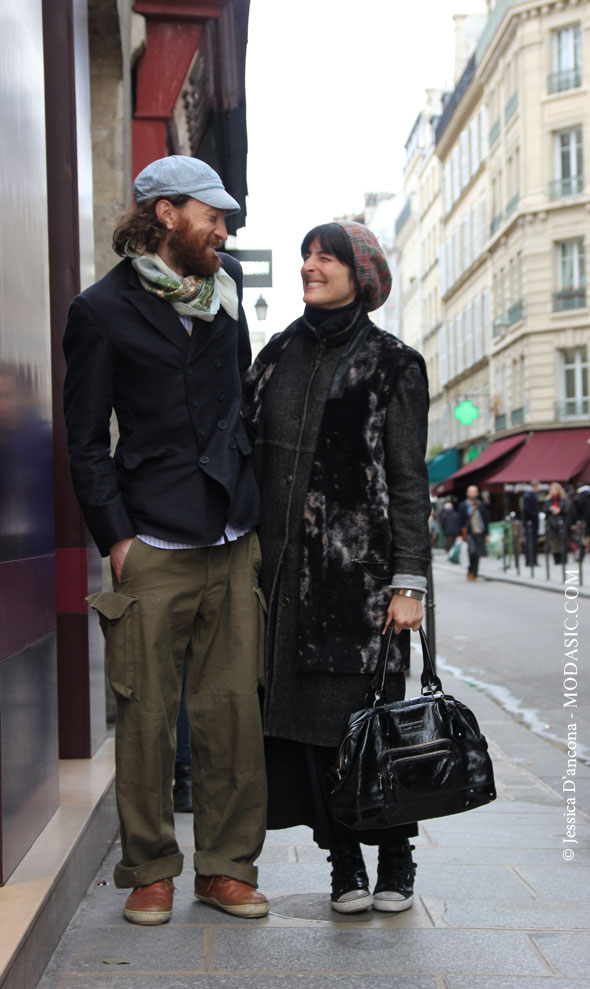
<point x="203" y="605"/>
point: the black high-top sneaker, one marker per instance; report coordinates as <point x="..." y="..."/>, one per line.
<point x="350" y="883"/>
<point x="395" y="878"/>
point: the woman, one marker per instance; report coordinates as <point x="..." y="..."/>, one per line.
<point x="341" y="409"/>
<point x="559" y="517"/>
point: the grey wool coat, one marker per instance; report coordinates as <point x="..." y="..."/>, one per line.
<point x="339" y="454"/>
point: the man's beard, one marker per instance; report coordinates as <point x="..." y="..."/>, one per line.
<point x="190" y="251"/>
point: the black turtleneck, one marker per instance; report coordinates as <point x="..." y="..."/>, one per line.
<point x="333" y="325"/>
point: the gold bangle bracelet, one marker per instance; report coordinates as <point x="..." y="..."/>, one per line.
<point x="409" y="592"/>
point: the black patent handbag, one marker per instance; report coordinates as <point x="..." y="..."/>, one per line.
<point x="409" y="760"/>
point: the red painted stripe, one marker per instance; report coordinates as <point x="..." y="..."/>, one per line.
<point x="71" y="580"/>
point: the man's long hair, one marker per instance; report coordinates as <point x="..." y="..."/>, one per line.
<point x="140" y="227"/>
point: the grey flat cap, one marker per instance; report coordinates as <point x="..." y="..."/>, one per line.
<point x="180" y="175"/>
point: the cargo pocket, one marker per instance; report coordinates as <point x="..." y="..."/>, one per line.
<point x="117" y="616"/>
<point x="261" y="634"/>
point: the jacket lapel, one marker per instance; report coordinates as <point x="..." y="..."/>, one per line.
<point x="158" y="312"/>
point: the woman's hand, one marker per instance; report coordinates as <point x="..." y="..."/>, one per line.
<point x="404" y="613"/>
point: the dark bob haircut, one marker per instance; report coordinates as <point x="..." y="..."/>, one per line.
<point x="333" y="240"/>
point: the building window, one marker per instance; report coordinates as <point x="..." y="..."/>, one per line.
<point x="456" y="165"/>
<point x="448" y="186"/>
<point x="482" y="222"/>
<point x="575" y="403"/>
<point x="474" y="143"/>
<point x="571" y="275"/>
<point x="567" y="59"/>
<point x="443" y="356"/>
<point x="569" y="164"/>
<point x="464" y="145"/>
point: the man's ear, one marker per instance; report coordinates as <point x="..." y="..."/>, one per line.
<point x="166" y="213"/>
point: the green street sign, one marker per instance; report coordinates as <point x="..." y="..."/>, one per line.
<point x="466" y="412"/>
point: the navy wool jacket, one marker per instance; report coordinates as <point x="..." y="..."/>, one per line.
<point x="182" y="467"/>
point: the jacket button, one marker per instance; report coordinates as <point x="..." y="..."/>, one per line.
<point x="286" y="602"/>
<point x="203" y="460"/>
<point x="194" y="402"/>
<point x="188" y="372"/>
<point x="289" y="479"/>
<point x="220" y="396"/>
<point x="232" y="444"/>
<point x="217" y="363"/>
<point x="222" y="424"/>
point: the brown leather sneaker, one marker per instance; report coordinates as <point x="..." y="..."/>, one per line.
<point x="150" y="904"/>
<point x="231" y="895"/>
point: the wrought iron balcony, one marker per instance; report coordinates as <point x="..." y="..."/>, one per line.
<point x="510" y="108"/>
<point x="568" y="79"/>
<point x="572" y="186"/>
<point x="494" y="132"/>
<point x="500" y="326"/>
<point x="569" y="298"/>
<point x="515" y="312"/>
<point x="572" y="408"/>
<point x="511" y="206"/>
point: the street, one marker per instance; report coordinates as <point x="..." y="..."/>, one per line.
<point x="509" y="640"/>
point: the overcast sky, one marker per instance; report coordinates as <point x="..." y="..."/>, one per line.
<point x="331" y="99"/>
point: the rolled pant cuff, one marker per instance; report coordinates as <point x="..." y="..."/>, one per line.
<point x="207" y="864"/>
<point x="150" y="872"/>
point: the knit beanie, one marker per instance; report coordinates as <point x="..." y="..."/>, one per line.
<point x="371" y="268"/>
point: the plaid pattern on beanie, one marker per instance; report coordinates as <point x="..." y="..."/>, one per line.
<point x="371" y="268"/>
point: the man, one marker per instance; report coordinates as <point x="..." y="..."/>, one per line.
<point x="162" y="339"/>
<point x="582" y="513"/>
<point x="474" y="521"/>
<point x="448" y="520"/>
<point x="530" y="518"/>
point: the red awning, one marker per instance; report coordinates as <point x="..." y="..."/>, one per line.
<point x="549" y="455"/>
<point x="493" y="453"/>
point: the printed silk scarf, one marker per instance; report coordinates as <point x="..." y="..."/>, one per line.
<point x="189" y="296"/>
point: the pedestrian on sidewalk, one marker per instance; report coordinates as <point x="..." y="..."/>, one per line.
<point x="474" y="521"/>
<point x="560" y="516"/>
<point x="530" y="519"/>
<point x="448" y="519"/>
<point x="162" y="339"/>
<point x="341" y="410"/>
<point x="582" y="516"/>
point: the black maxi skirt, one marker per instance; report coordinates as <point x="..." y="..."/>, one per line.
<point x="298" y="793"/>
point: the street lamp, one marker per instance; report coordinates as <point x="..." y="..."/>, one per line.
<point x="261" y="307"/>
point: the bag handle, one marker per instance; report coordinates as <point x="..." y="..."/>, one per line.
<point x="430" y="681"/>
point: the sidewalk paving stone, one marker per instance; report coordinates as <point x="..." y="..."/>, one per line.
<point x="547" y="916"/>
<point x="459" y="982"/>
<point x="569" y="953"/>
<point x="496" y="907"/>
<point x="404" y="952"/>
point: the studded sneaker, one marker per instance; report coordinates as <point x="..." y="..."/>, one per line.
<point x="350" y="883"/>
<point x="394" y="891"/>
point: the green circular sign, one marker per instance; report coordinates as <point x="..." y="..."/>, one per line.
<point x="466" y="412"/>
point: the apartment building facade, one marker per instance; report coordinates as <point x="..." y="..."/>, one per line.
<point x="512" y="351"/>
